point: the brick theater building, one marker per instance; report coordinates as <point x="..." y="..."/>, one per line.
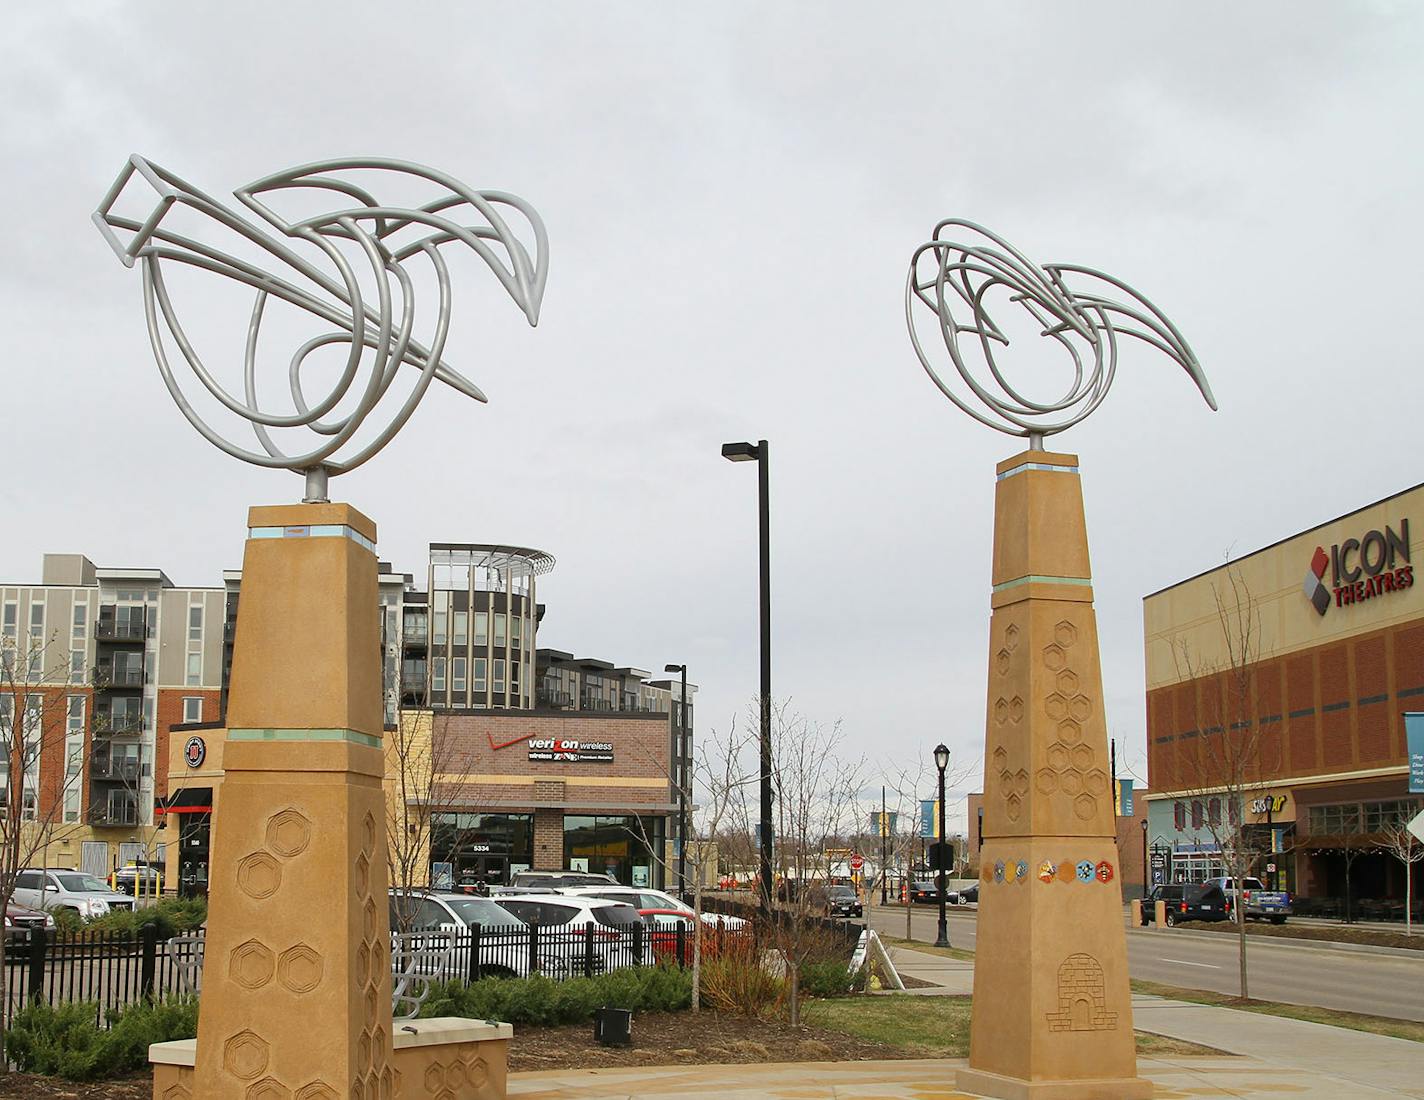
<point x="1336" y="661"/>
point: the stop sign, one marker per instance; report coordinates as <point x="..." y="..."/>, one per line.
<point x="856" y="863"/>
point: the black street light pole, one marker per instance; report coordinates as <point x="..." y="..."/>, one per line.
<point x="683" y="783"/>
<point x="747" y="452"/>
<point x="884" y="831"/>
<point x="941" y="755"/>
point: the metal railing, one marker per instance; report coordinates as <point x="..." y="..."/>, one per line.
<point x="122" y="770"/>
<point x="112" y="969"/>
<point x="112" y="676"/>
<point x="112" y="630"/>
<point x="108" y="724"/>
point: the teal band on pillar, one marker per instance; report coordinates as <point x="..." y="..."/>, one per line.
<point x="1086" y="582"/>
<point x="1037" y="466"/>
<point x="351" y="736"/>
<point x="313" y="531"/>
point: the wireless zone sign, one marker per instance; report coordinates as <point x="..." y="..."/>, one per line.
<point x="568" y="750"/>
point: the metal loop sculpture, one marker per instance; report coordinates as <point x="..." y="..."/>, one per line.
<point x="377" y="330"/>
<point x="1086" y="320"/>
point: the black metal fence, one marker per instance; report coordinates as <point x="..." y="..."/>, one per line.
<point x="109" y="968"/>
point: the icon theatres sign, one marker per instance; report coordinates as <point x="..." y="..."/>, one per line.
<point x="1376" y="564"/>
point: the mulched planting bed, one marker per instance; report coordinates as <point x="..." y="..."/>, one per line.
<point x="22" y="1086"/>
<point x="1345" y="933"/>
<point x="682" y="1038"/>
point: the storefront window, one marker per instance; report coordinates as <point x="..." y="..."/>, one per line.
<point x="618" y="846"/>
<point x="486" y="848"/>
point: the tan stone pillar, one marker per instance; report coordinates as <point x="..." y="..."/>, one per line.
<point x="296" y="977"/>
<point x="1052" y="1015"/>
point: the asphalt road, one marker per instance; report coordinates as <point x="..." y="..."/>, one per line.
<point x="1299" y="972"/>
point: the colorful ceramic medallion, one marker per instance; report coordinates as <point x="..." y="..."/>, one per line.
<point x="1085" y="870"/>
<point x="1047" y="871"/>
<point x="1023" y="870"/>
<point x="999" y="871"/>
<point x="1105" y="871"/>
<point x="1065" y="871"/>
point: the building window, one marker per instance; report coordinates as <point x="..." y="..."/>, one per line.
<point x="76" y="666"/>
<point x="1233" y="811"/>
<point x="1198" y="817"/>
<point x="81" y="620"/>
<point x="195" y="669"/>
<point x="1380" y="816"/>
<point x="499" y="676"/>
<point x="1335" y="820"/>
<point x="499" y="619"/>
<point x="437" y="676"/>
<point x="73" y="758"/>
<point x="195" y="623"/>
<point x="457" y="677"/>
<point x="1179" y="815"/>
<point x="437" y="634"/>
<point x="192" y="708"/>
<point x="462" y="619"/>
<point x="480" y="684"/>
<point x="482" y="628"/>
<point x="1213" y="810"/>
<point x="8" y="621"/>
<point x="515" y="630"/>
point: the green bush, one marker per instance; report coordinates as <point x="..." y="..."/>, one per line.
<point x="67" y="1041"/>
<point x="825" y="978"/>
<point x="540" y="1001"/>
<point x="171" y="916"/>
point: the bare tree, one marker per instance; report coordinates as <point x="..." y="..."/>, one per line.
<point x="1399" y="842"/>
<point x="425" y="784"/>
<point x="35" y="727"/>
<point x="1230" y="758"/>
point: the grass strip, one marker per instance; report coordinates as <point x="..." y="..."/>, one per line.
<point x="1355" y="1021"/>
<point x="934" y="1027"/>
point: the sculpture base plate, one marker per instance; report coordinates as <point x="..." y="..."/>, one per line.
<point x="980" y="1083"/>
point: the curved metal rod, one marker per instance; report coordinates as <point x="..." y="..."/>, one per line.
<point x="330" y="291"/>
<point x="1085" y="322"/>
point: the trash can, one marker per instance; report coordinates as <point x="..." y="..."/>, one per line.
<point x="613" y="1027"/>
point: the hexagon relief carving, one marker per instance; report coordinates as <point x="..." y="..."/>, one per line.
<point x="1011" y="637"/>
<point x="1057" y="757"/>
<point x="1013" y="805"/>
<point x="317" y="1090"/>
<point x="478" y="1070"/>
<point x="1082" y="757"/>
<point x="1071" y="782"/>
<point x="368" y="919"/>
<point x="1068" y="683"/>
<point x="1080" y="707"/>
<point x="1016" y="710"/>
<point x="363" y="964"/>
<point x="1084" y="805"/>
<point x="245" y="1055"/>
<point x="372" y="1000"/>
<point x="389" y="1083"/>
<point x="300" y="969"/>
<point x="288" y="833"/>
<point x="368" y="835"/>
<point x="1054" y="657"/>
<point x="1020" y="782"/>
<point x="1065" y="634"/>
<point x="269" y="1088"/>
<point x="434" y="1077"/>
<point x="259" y="875"/>
<point x="456" y="1074"/>
<point x="1001" y="662"/>
<point x="251" y="964"/>
<point x="1097" y="781"/>
<point x="1001" y="758"/>
<point x="1069" y="732"/>
<point x="1056" y="706"/>
<point x="1046" y="780"/>
<point x="177" y="1092"/>
<point x="1001" y="711"/>
<point x="363" y="875"/>
<point x="379" y="1047"/>
<point x="363" y="1050"/>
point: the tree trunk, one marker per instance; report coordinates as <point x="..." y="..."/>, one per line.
<point x="697" y="945"/>
<point x="795" y="968"/>
<point x="1241" y="937"/>
<point x="909" y="906"/>
<point x="1408" y="899"/>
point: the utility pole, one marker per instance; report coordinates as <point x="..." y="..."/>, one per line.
<point x="884" y="828"/>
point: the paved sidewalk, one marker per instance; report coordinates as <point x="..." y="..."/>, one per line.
<point x="951" y="977"/>
<point x="927" y="1079"/>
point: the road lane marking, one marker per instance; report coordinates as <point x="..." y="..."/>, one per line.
<point x="1184" y="962"/>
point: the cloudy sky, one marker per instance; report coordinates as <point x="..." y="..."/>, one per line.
<point x="732" y="197"/>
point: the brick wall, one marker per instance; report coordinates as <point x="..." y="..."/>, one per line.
<point x="170" y="714"/>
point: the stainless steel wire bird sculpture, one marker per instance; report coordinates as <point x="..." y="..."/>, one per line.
<point x="1084" y="310"/>
<point x="362" y="239"/>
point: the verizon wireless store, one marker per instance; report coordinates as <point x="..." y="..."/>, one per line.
<point x="547" y="790"/>
<point x="1336" y="665"/>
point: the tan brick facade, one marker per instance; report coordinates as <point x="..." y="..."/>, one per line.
<point x="170" y="714"/>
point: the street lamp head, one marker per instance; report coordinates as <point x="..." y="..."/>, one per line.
<point x="674" y="668"/>
<point x="740" y="452"/>
<point x="941" y="755"/>
<point x="1144" y="825"/>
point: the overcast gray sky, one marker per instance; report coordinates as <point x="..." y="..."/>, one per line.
<point x="732" y="196"/>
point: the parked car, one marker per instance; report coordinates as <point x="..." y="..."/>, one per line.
<point x="554" y="880"/>
<point x="138" y="878"/>
<point x="566" y="918"/>
<point x="504" y="938"/>
<point x="19" y="923"/>
<point x="1185" y="901"/>
<point x="924" y="891"/>
<point x="54" y="890"/>
<point x="642" y="898"/>
<point x="968" y="896"/>
<point x="1260" y="903"/>
<point x="839" y="901"/>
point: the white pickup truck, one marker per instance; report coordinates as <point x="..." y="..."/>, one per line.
<point x="1258" y="902"/>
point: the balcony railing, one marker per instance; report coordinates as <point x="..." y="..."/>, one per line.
<point x="559" y="699"/>
<point x="120" y="630"/>
<point x="116" y="813"/>
<point x="123" y="770"/>
<point x="117" y="725"/>
<point x="107" y="676"/>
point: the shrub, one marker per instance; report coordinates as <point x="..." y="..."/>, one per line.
<point x="736" y="980"/>
<point x="66" y="1041"/>
<point x="540" y="1001"/>
<point x="171" y="916"/>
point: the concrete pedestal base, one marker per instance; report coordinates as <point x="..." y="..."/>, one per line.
<point x="977" y="1082"/>
<point x="436" y="1058"/>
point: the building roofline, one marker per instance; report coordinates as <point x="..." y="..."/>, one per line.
<point x="1279" y="542"/>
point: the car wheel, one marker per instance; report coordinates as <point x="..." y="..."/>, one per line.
<point x="1171" y="920"/>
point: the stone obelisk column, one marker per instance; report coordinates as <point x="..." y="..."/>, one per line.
<point x="1052" y="1015"/>
<point x="296" y="977"/>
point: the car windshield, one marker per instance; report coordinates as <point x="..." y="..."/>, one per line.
<point x="841" y="892"/>
<point x="79" y="884"/>
<point x="482" y="911"/>
<point x="617" y="916"/>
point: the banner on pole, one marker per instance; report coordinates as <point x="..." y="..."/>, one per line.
<point x="1124" y="798"/>
<point x="929" y="818"/>
<point x="1414" y="735"/>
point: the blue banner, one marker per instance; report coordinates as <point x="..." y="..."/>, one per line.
<point x="929" y="819"/>
<point x="1414" y="735"/>
<point x="1124" y="798"/>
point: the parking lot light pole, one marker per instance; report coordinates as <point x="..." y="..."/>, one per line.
<point x="759" y="452"/>
<point x="684" y="782"/>
<point x="941" y="755"/>
<point x="1146" y="871"/>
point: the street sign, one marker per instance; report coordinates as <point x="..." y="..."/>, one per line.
<point x="1270" y="868"/>
<point x="857" y="862"/>
<point x="1417" y="825"/>
<point x="940" y="856"/>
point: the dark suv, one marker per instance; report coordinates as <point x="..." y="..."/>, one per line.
<point x="1186" y="901"/>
